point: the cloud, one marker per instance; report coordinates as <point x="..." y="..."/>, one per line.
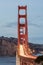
<point x="33" y="24"/>
<point x="12" y="24"/>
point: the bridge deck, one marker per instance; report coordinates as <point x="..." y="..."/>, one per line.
<point x="21" y="53"/>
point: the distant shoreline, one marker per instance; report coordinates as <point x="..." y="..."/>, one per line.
<point x="8" y="47"/>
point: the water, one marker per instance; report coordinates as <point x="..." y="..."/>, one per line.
<point x="7" y="61"/>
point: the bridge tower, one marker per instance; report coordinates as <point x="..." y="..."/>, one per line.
<point x="23" y="54"/>
<point x="22" y="26"/>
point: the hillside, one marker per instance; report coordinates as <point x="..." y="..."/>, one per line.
<point x="8" y="47"/>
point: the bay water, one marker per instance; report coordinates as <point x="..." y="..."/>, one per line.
<point x="7" y="60"/>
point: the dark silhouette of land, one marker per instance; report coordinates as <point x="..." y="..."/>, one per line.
<point x="8" y="47"/>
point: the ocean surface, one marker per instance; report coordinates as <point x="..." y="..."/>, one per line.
<point x="7" y="60"/>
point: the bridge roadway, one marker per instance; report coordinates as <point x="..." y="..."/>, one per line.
<point x="23" y="53"/>
<point x="23" y="57"/>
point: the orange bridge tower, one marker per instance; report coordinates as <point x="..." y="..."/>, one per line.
<point x="23" y="54"/>
<point x="22" y="26"/>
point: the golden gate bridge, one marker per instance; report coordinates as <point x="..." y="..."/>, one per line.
<point x="23" y="54"/>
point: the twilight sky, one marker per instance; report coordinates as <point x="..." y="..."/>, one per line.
<point x="9" y="14"/>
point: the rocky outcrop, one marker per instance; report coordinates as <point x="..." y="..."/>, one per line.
<point x="7" y="46"/>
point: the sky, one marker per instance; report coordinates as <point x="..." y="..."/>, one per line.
<point x="9" y="19"/>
